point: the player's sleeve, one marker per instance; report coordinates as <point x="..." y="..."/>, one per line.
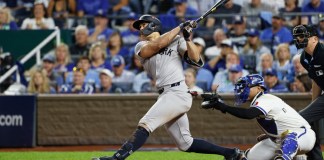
<point x="182" y="46"/>
<point x="137" y="50"/>
<point x="264" y="107"/>
<point x="182" y="49"/>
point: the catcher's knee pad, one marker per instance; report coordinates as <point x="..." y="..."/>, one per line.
<point x="289" y="146"/>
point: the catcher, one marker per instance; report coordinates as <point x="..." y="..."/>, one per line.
<point x="287" y="134"/>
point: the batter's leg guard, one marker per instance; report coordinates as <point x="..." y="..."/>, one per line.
<point x="138" y="139"/>
<point x="289" y="147"/>
<point x="124" y="151"/>
<point x="121" y="154"/>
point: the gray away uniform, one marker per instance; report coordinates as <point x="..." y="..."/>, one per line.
<point x="174" y="102"/>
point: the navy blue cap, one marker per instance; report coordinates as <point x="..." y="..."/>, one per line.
<point x="253" y="32"/>
<point x="117" y="61"/>
<point x="101" y="13"/>
<point x="270" y="72"/>
<point x="238" y="20"/>
<point x="235" y="68"/>
<point x="132" y="15"/>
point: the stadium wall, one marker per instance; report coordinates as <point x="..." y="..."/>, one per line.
<point x="111" y="119"/>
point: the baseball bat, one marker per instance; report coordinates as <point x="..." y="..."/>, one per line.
<point x="211" y="10"/>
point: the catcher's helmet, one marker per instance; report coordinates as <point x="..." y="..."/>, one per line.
<point x="154" y="24"/>
<point x="243" y="85"/>
<point x="301" y="34"/>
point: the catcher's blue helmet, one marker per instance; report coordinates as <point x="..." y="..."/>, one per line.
<point x="243" y="85"/>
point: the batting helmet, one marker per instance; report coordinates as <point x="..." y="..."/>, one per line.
<point x="154" y="24"/>
<point x="243" y="85"/>
<point x="301" y="34"/>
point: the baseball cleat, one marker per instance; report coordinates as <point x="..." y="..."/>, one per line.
<point x="238" y="155"/>
<point x="104" y="158"/>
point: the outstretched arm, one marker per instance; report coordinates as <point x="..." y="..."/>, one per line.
<point x="153" y="47"/>
<point x="214" y="101"/>
<point x="249" y="113"/>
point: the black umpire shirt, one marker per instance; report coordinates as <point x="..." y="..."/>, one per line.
<point x="315" y="65"/>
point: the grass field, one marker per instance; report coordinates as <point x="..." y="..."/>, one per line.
<point x="140" y="155"/>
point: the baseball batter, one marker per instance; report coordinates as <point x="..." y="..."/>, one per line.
<point x="161" y="56"/>
<point x="286" y="132"/>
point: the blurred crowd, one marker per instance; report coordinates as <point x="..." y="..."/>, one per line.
<point x="242" y="37"/>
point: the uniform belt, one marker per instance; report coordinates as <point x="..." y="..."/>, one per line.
<point x="172" y="85"/>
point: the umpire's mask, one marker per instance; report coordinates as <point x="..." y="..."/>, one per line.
<point x="301" y="34"/>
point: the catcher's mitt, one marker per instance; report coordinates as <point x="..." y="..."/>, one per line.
<point x="211" y="100"/>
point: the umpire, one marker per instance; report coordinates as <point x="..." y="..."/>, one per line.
<point x="312" y="59"/>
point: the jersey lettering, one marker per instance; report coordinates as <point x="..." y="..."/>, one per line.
<point x="165" y="51"/>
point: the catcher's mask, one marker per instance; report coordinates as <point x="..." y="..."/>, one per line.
<point x="243" y="86"/>
<point x="154" y="24"/>
<point x="302" y="33"/>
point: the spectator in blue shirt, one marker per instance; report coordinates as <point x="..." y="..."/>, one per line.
<point x="282" y="63"/>
<point x="6" y="20"/>
<point x="312" y="7"/>
<point x="100" y="32"/>
<point x="272" y="82"/>
<point x="91" y="7"/>
<point x="130" y="36"/>
<point x="181" y="9"/>
<point x="91" y="76"/>
<point x="63" y="60"/>
<point x="140" y="79"/>
<point x="105" y="76"/>
<point x="219" y="62"/>
<point x="120" y="74"/>
<point x="227" y="84"/>
<point x="276" y="34"/>
<point x="56" y="79"/>
<point x="98" y="57"/>
<point x="123" y="79"/>
<point x="115" y="47"/>
<point x="78" y="85"/>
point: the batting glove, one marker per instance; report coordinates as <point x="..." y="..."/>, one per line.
<point x="184" y="24"/>
<point x="186" y="32"/>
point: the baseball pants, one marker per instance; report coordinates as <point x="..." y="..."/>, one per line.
<point x="170" y="110"/>
<point x="266" y="149"/>
<point x="313" y="113"/>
